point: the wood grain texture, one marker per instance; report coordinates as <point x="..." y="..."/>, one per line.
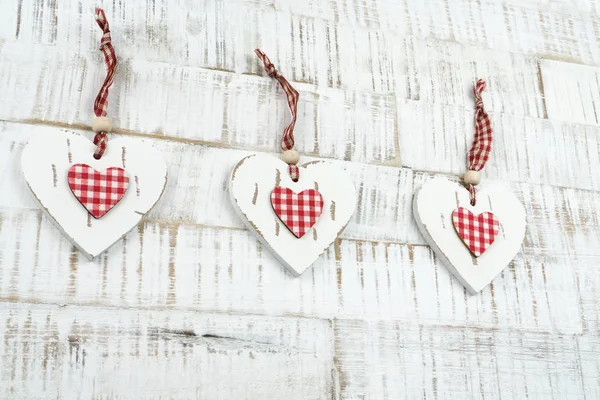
<point x="395" y="360"/>
<point x="438" y="138"/>
<point x="545" y="30"/>
<point x="386" y="94"/>
<point x="202" y="268"/>
<point x="573" y="92"/>
<point x="417" y="69"/>
<point x="51" y="351"/>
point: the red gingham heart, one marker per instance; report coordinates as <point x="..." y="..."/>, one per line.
<point x="97" y="191"/>
<point x="477" y="232"/>
<point x="299" y="212"/>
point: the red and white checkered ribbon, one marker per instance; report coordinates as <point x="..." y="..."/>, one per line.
<point x="287" y="141"/>
<point x="478" y="232"/>
<point x="110" y="60"/>
<point x="97" y="191"/>
<point x="299" y="212"/>
<point x="482" y="141"/>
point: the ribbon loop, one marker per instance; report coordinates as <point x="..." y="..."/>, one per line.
<point x="287" y="141"/>
<point x="101" y="141"/>
<point x="478" y="90"/>
<point x="110" y="60"/>
<point x="482" y="140"/>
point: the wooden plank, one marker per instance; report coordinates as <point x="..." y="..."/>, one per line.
<point x="417" y="69"/>
<point x="238" y="111"/>
<point x="438" y="138"/>
<point x="572" y="92"/>
<point x="384" y="359"/>
<point x="209" y="106"/>
<point x="560" y="220"/>
<point x="587" y="277"/>
<point x="589" y="8"/>
<point x="518" y="27"/>
<point x="201" y="268"/>
<point x="589" y="346"/>
<point x="191" y="33"/>
<point x="370" y="122"/>
<point x="49" y="351"/>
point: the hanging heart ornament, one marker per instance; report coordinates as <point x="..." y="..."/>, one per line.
<point x="93" y="202"/>
<point x="297" y="221"/>
<point x="475" y="242"/>
<point x="476" y="231"/>
<point x="297" y="211"/>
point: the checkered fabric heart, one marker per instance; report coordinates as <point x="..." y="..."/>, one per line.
<point x="477" y="232"/>
<point x="97" y="191"/>
<point x="299" y="212"/>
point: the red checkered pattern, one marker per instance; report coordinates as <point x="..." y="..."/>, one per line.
<point x="287" y="141"/>
<point x="110" y="60"/>
<point x="299" y="212"/>
<point x="482" y="141"/>
<point x="477" y="232"/>
<point x="97" y="191"/>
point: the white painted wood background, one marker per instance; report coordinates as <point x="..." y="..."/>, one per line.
<point x="189" y="305"/>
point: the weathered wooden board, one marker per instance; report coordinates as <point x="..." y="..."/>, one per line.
<point x="562" y="32"/>
<point x="382" y="359"/>
<point x="438" y="138"/>
<point x="572" y="92"/>
<point x="202" y="268"/>
<point x="51" y="351"/>
<point x="250" y="112"/>
<point x="415" y="69"/>
<point x="221" y="32"/>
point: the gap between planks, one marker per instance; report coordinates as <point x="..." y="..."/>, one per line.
<point x="221" y="145"/>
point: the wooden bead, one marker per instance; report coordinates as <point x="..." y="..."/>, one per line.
<point x="101" y="124"/>
<point x="472" y="177"/>
<point x="290" y="157"/>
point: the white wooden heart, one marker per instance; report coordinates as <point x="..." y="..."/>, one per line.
<point x="46" y="160"/>
<point x="433" y="205"/>
<point x="250" y="187"/>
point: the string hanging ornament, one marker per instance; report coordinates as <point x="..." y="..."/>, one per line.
<point x="296" y="211"/>
<point x="85" y="187"/>
<point x="475" y="231"/>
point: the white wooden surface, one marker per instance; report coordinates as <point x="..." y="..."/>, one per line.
<point x="190" y="305"/>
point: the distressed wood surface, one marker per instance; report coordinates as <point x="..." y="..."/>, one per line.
<point x="51" y="351"/>
<point x="191" y="305"/>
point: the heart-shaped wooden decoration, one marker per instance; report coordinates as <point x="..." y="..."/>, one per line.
<point x="298" y="212"/>
<point x="477" y="232"/>
<point x="252" y="183"/>
<point x="434" y="207"/>
<point x="97" y="191"/>
<point x="53" y="169"/>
